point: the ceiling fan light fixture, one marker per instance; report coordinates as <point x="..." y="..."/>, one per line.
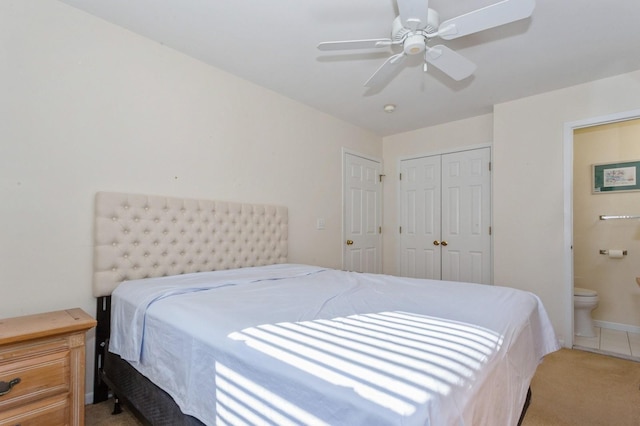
<point x="414" y="44"/>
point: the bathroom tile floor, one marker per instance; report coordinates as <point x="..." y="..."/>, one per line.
<point x="614" y="342"/>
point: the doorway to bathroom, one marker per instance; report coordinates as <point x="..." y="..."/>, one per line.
<point x="606" y="230"/>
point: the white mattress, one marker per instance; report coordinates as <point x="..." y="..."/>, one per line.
<point x="296" y="344"/>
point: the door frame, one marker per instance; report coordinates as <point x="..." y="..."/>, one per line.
<point x="430" y="154"/>
<point x="346" y="152"/>
<point x="569" y="128"/>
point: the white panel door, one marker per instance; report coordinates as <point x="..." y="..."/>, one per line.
<point x="445" y="217"/>
<point x="466" y="213"/>
<point x="420" y="221"/>
<point x="363" y="210"/>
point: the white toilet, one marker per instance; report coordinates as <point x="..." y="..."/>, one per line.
<point x="584" y="301"/>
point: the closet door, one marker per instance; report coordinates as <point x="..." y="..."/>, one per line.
<point x="466" y="216"/>
<point x="420" y="218"/>
<point x="445" y="217"/>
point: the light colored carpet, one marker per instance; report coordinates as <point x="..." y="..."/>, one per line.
<point x="570" y="388"/>
<point x="100" y="415"/>
<point x="573" y="387"/>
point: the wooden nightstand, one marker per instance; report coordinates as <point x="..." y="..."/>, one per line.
<point x="42" y="367"/>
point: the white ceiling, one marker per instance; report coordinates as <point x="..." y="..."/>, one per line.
<point x="273" y="44"/>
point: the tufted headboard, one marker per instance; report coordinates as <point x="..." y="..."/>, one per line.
<point x="143" y="236"/>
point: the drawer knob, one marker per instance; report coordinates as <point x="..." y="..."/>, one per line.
<point x="5" y="387"/>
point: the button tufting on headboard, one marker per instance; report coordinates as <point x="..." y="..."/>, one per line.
<point x="140" y="236"/>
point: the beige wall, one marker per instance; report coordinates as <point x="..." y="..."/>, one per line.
<point x="531" y="224"/>
<point x="433" y="140"/>
<point x="88" y="106"/>
<point x="613" y="279"/>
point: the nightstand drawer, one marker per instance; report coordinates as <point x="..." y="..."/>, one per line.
<point x="47" y="353"/>
<point x="46" y="412"/>
<point x="40" y="377"/>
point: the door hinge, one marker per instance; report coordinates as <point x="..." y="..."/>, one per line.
<point x="401" y="229"/>
<point x="489" y="165"/>
<point x="400" y="176"/>
<point x="489" y="230"/>
<point x="380" y="177"/>
<point x="379" y="229"/>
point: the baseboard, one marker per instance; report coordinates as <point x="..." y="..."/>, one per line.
<point x="607" y="353"/>
<point x="617" y="326"/>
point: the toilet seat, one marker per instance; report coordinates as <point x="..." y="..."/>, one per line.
<point x="577" y="291"/>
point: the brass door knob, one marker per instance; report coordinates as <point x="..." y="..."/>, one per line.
<point x="444" y="243"/>
<point x="349" y="242"/>
<point x="436" y="243"/>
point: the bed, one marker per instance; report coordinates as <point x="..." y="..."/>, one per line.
<point x="202" y="320"/>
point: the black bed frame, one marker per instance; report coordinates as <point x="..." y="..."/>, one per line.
<point x="144" y="399"/>
<point x="148" y="402"/>
<point x="103" y="331"/>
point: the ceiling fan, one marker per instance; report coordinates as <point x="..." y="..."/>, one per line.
<point x="417" y="26"/>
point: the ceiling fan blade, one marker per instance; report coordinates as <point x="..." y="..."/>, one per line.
<point x="487" y="17"/>
<point x="448" y="61"/>
<point x="355" y="44"/>
<point x="413" y="13"/>
<point x="386" y="70"/>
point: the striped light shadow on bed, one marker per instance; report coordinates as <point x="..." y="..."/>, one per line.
<point x="396" y="360"/>
<point x="241" y="401"/>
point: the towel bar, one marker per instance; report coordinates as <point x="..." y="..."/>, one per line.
<point x="607" y="217"/>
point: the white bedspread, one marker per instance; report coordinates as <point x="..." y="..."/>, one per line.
<point x="296" y="344"/>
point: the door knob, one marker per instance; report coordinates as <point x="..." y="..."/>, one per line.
<point x="349" y="242"/>
<point x="436" y="243"/>
<point x="444" y="243"/>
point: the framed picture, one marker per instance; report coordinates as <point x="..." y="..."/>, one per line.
<point x="615" y="177"/>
